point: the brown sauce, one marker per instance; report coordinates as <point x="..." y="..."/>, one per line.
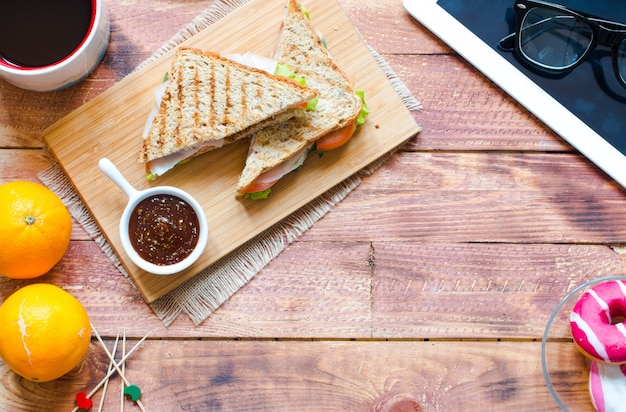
<point x="163" y="229"/>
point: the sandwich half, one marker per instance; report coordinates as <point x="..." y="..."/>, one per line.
<point x="210" y="101"/>
<point x="277" y="150"/>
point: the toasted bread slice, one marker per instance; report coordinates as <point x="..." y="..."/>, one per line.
<point x="301" y="48"/>
<point x="212" y="99"/>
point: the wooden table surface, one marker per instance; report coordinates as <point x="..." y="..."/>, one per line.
<point x="427" y="288"/>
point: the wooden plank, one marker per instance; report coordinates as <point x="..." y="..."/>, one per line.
<point x="293" y="299"/>
<point x="482" y="197"/>
<point x="358" y="290"/>
<point x="21" y="164"/>
<point x="463" y="110"/>
<point x="448" y="291"/>
<point x="328" y="376"/>
<point x="142" y="27"/>
<point x="111" y="124"/>
<point x="13" y="138"/>
<point x="387" y="27"/>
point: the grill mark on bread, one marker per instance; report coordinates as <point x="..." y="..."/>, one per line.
<point x="227" y="86"/>
<point x="196" y="100"/>
<point x="161" y="126"/>
<point x="212" y="91"/>
<point x="244" y="101"/>
<point x="195" y="115"/>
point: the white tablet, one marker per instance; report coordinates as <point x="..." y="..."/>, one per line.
<point x="586" y="112"/>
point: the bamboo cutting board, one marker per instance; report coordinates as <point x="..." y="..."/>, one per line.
<point x="111" y="126"/>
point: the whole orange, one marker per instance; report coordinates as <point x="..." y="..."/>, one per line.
<point x="44" y="332"/>
<point x="35" y="229"/>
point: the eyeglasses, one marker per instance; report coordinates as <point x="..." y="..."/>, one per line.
<point x="554" y="39"/>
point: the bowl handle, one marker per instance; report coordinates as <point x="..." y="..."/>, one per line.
<point x="108" y="168"/>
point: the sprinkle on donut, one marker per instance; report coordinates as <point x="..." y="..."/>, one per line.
<point x="597" y="323"/>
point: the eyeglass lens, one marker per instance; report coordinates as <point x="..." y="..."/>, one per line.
<point x="555" y="40"/>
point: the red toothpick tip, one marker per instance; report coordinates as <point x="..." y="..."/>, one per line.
<point x="82" y="401"/>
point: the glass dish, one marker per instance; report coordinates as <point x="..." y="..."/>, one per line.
<point x="565" y="369"/>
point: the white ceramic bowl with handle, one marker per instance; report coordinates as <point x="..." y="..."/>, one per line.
<point x="134" y="198"/>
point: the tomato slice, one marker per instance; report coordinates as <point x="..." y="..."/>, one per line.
<point x="259" y="186"/>
<point x="337" y="138"/>
<point x="301" y="105"/>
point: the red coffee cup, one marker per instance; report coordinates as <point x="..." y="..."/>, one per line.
<point x="50" y="45"/>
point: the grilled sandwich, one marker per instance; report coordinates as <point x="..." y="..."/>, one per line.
<point x="281" y="148"/>
<point x="209" y="101"/>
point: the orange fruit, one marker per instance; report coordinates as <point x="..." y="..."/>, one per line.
<point x="44" y="332"/>
<point x="35" y="229"/>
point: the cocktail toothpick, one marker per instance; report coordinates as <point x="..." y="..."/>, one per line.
<point x="123" y="371"/>
<point x="109" y="369"/>
<point x="112" y="371"/>
<point x="116" y="365"/>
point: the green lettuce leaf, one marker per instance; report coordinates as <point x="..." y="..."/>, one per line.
<point x="285" y="70"/>
<point x="264" y="194"/>
<point x="364" y="110"/>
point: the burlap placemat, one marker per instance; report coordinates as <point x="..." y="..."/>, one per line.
<point x="205" y="292"/>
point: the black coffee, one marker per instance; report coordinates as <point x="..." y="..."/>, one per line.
<point x="35" y="33"/>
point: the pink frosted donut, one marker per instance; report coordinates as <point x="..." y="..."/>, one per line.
<point x="607" y="386"/>
<point x="596" y="323"/>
